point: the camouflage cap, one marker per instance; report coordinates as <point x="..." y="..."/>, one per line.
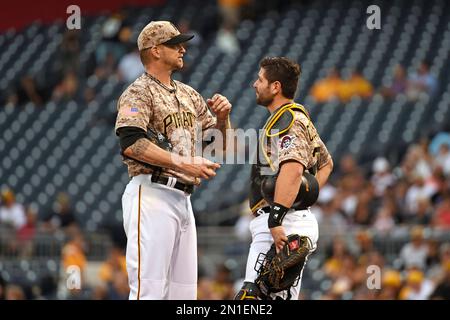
<point x="160" y="32"/>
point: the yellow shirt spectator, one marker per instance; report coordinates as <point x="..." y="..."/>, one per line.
<point x="327" y="89"/>
<point x="115" y="263"/>
<point x="357" y="85"/>
<point x="73" y="253"/>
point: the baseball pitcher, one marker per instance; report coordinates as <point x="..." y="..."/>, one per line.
<point x="157" y="124"/>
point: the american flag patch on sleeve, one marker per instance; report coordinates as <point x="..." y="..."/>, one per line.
<point x="130" y="111"/>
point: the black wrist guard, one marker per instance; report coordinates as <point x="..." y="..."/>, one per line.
<point x="276" y="216"/>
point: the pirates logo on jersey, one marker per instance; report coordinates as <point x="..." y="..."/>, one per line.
<point x="286" y="142"/>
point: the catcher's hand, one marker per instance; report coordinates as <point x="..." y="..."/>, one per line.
<point x="280" y="271"/>
<point x="279" y="237"/>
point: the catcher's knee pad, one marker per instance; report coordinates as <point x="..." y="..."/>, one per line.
<point x="249" y="291"/>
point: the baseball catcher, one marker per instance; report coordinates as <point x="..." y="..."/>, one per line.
<point x="292" y="165"/>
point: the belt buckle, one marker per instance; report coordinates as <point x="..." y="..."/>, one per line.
<point x="171" y="182"/>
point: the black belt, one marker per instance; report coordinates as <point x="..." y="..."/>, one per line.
<point x="261" y="211"/>
<point x="188" y="188"/>
<point x="266" y="209"/>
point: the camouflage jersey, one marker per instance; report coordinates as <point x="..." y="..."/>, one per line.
<point x="181" y="114"/>
<point x="289" y="135"/>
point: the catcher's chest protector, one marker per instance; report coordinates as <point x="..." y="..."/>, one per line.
<point x="266" y="158"/>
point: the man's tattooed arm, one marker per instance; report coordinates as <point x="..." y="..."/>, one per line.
<point x="146" y="151"/>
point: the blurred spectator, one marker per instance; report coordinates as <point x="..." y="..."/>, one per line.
<point x="356" y="85"/>
<point x="336" y="253"/>
<point x="100" y="292"/>
<point x="438" y="184"/>
<point x="432" y="260"/>
<point x="437" y="259"/>
<point x="443" y="158"/>
<point x="14" y="292"/>
<point x="67" y="89"/>
<point x="11" y="212"/>
<point x="107" y="68"/>
<point x="365" y="206"/>
<point x="399" y="194"/>
<point x="68" y="59"/>
<point x="28" y="230"/>
<point x="382" y="178"/>
<point x="344" y="275"/>
<point x="364" y="244"/>
<point x="62" y="215"/>
<point x="327" y="89"/>
<point x="130" y="66"/>
<point x="115" y="264"/>
<point x="74" y="255"/>
<point x="442" y="291"/>
<point x="423" y="214"/>
<point x="439" y="139"/>
<point x="330" y="219"/>
<point x="384" y="220"/>
<point x="115" y="36"/>
<point x="118" y="288"/>
<point x="421" y="81"/>
<point x="29" y="91"/>
<point x="390" y="286"/>
<point x="230" y="11"/>
<point x="399" y="83"/>
<point x="424" y="161"/>
<point x="351" y="188"/>
<point x="414" y="253"/>
<point x="416" y="192"/>
<point x="442" y="216"/>
<point x="417" y="286"/>
<point x="226" y="40"/>
<point x="205" y="290"/>
<point x="89" y="95"/>
<point x="347" y="166"/>
<point x="26" y="234"/>
<point x="222" y="284"/>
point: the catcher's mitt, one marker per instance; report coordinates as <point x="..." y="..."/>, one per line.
<point x="280" y="271"/>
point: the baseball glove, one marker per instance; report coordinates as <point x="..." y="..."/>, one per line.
<point x="280" y="271"/>
<point x="159" y="139"/>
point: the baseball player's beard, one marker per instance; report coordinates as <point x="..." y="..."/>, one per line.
<point x="264" y="101"/>
<point x="174" y="65"/>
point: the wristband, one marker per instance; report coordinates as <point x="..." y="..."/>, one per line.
<point x="276" y="216"/>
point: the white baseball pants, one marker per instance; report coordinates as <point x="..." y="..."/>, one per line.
<point x="301" y="222"/>
<point x="161" y="253"/>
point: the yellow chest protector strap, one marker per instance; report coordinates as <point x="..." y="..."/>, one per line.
<point x="282" y="120"/>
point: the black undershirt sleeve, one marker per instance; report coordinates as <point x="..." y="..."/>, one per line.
<point x="129" y="135"/>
